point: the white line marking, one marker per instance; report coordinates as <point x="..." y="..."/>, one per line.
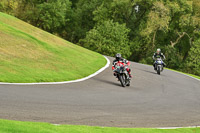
<point x="178" y="127"/>
<point x="64" y="82"/>
<point x="56" y="124"/>
<point x="155" y="128"/>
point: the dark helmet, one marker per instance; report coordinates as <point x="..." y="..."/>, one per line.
<point x="118" y="56"/>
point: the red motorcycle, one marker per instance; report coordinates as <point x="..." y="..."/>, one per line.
<point x="122" y="74"/>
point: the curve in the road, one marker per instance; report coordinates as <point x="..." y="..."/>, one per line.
<point x="168" y="100"/>
<point x="64" y="82"/>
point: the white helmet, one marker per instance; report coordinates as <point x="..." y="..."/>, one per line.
<point x="158" y="50"/>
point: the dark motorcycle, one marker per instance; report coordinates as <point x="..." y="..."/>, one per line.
<point x="122" y="74"/>
<point x="159" y="65"/>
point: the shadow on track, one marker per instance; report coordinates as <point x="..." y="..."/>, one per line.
<point x="108" y="82"/>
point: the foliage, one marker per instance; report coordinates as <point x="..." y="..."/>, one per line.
<point x="51" y="15"/>
<point x="172" y="25"/>
<point x="158" y="19"/>
<point x="108" y="38"/>
<point x="193" y="62"/>
<point x="8" y="6"/>
<point x="81" y="19"/>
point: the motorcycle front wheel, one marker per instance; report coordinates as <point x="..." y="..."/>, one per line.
<point x="158" y="70"/>
<point x="122" y="79"/>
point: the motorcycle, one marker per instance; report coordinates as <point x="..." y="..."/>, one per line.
<point x="159" y="65"/>
<point x="122" y="74"/>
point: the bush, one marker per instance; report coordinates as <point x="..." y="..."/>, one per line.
<point x="108" y="38"/>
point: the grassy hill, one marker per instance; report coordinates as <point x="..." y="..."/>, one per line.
<point x="28" y="54"/>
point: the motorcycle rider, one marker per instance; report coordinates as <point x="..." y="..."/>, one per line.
<point x="118" y="57"/>
<point x="158" y="54"/>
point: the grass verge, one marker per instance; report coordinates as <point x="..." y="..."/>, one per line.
<point x="8" y="126"/>
<point x="29" y="54"/>
<point x="195" y="76"/>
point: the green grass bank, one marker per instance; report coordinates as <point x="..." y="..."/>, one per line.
<point x="29" y="54"/>
<point x="7" y="126"/>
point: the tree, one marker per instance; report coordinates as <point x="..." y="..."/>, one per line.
<point x="181" y="27"/>
<point x="9" y="6"/>
<point x="193" y="62"/>
<point x="50" y="15"/>
<point x="121" y="11"/>
<point x="108" y="38"/>
<point x="82" y="19"/>
<point x="158" y="19"/>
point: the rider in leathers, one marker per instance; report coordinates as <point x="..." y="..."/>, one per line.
<point x="118" y="57"/>
<point x="156" y="55"/>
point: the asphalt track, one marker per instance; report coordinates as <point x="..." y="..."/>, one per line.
<point x="168" y="100"/>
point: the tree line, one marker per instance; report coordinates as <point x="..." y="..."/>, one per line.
<point x="134" y="28"/>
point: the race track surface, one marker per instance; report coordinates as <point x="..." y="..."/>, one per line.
<point x="168" y="100"/>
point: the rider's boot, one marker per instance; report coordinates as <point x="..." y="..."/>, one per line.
<point x="130" y="74"/>
<point x="115" y="74"/>
<point x="164" y="64"/>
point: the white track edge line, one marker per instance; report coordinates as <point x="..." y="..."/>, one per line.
<point x="156" y="128"/>
<point x="177" y="127"/>
<point x="64" y="82"/>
